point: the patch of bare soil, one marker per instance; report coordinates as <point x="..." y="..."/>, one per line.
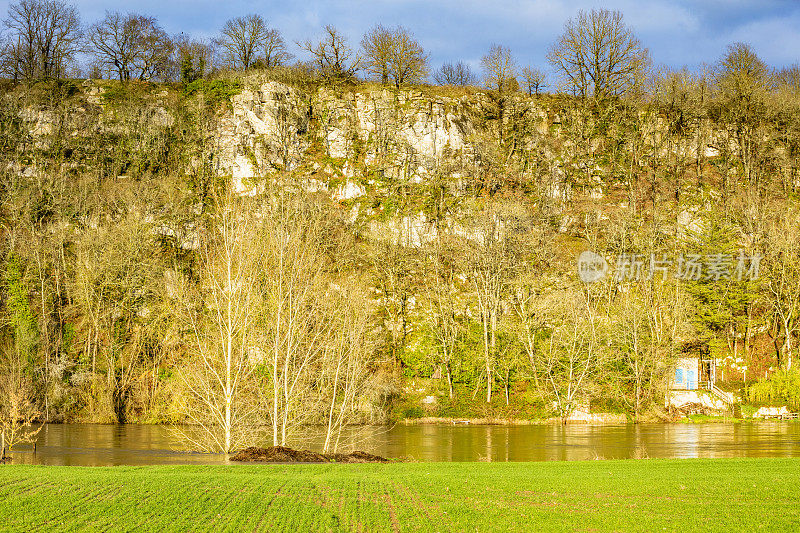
<point x="282" y="454"/>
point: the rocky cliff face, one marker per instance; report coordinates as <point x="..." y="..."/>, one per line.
<point x="350" y="143"/>
<point x="396" y="133"/>
<point x="358" y="144"/>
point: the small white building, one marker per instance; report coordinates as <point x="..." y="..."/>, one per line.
<point x="692" y="373"/>
<point x="694" y="383"/>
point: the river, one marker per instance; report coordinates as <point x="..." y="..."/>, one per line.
<point x="99" y="445"/>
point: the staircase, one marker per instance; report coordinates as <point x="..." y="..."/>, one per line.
<point x="727" y="397"/>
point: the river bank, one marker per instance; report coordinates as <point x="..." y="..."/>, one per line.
<point x="599" y="419"/>
<point x="646" y="495"/>
<point x="594" y="418"/>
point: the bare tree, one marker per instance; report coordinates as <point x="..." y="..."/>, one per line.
<point x="332" y="56"/>
<point x="680" y="96"/>
<point x="500" y="69"/>
<point x="154" y="58"/>
<point x="790" y="77"/>
<point x="742" y="72"/>
<point x="454" y="74"/>
<point x="409" y="62"/>
<point x="345" y="365"/>
<point x="492" y="267"/>
<point x="113" y="272"/>
<point x="7" y="54"/>
<point x="533" y="80"/>
<point x="782" y="281"/>
<point x="17" y="416"/>
<point x="274" y="49"/>
<point x="598" y="55"/>
<point x="241" y="39"/>
<point x="394" y="266"/>
<point x="18" y="411"/>
<point x="641" y="340"/>
<point x="133" y="45"/>
<point x="222" y="314"/>
<point x="442" y="290"/>
<point x="47" y="35"/>
<point x="114" y="43"/>
<point x="744" y="82"/>
<point x="394" y="53"/>
<point x="571" y="355"/>
<point x="263" y="324"/>
<point x="294" y="330"/>
<point x="529" y="309"/>
<point x="378" y="45"/>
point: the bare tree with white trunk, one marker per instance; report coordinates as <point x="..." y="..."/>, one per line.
<point x="442" y="293"/>
<point x="295" y="325"/>
<point x="572" y="354"/>
<point x="492" y="266"/>
<point x="222" y="314"/>
<point x="346" y="361"/>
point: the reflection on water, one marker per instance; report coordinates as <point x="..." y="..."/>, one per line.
<point x="100" y="445"/>
<point x="95" y="445"/>
<point x="581" y="442"/>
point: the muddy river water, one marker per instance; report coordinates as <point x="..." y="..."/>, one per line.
<point x="97" y="445"/>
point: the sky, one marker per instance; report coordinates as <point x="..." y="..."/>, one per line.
<point x="678" y="32"/>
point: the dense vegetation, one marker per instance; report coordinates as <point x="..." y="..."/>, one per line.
<point x="672" y="495"/>
<point x="140" y="284"/>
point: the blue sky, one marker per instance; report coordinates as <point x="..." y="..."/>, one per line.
<point x="678" y="33"/>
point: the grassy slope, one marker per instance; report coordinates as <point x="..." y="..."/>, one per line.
<point x="649" y="495"/>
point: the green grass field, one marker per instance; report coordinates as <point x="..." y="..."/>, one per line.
<point x="645" y="495"/>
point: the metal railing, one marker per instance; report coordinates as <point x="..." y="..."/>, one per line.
<point x="726" y="397"/>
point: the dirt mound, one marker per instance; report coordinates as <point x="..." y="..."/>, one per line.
<point x="282" y="454"/>
<point x="358" y="457"/>
<point x="279" y="454"/>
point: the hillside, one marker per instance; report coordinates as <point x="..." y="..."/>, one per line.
<point x="396" y="252"/>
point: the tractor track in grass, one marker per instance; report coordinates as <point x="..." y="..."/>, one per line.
<point x="249" y="499"/>
<point x="226" y="499"/>
<point x="88" y="497"/>
<point x="8" y="486"/>
<point x="33" y="488"/>
<point x="325" y="501"/>
<point x="421" y="507"/>
<point x="392" y="513"/>
<point x="363" y="503"/>
<point x="268" y="506"/>
<point x="727" y="495"/>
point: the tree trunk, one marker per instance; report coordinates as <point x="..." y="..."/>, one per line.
<point x="508" y="378"/>
<point x="227" y="422"/>
<point x="787" y="345"/>
<point x="449" y="379"/>
<point x="488" y="360"/>
<point x="329" y="431"/>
